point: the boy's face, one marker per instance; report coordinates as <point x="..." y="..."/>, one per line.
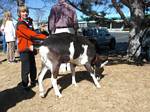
<point x="24" y="14"/>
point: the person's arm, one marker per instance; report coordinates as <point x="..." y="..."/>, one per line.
<point x="51" y="21"/>
<point x="28" y="33"/>
<point x="75" y="21"/>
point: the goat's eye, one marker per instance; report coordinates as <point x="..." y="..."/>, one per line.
<point x="97" y="65"/>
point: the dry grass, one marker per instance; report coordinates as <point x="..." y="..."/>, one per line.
<point x="125" y="88"/>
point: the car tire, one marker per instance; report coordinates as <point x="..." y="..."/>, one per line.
<point x="112" y="44"/>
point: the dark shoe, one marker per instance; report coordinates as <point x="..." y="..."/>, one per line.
<point x="26" y="88"/>
<point x="33" y="84"/>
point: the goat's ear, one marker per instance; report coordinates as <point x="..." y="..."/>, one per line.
<point x="101" y="58"/>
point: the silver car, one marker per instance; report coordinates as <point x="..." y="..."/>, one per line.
<point x="101" y="36"/>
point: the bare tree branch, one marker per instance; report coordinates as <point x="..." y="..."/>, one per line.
<point x="117" y="7"/>
<point x="88" y="13"/>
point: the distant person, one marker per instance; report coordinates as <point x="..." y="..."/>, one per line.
<point x="1" y="34"/>
<point x="43" y="29"/>
<point x="4" y="44"/>
<point x="26" y="36"/>
<point x="9" y="31"/>
<point x="62" y="18"/>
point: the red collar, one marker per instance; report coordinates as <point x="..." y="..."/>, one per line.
<point x="19" y="19"/>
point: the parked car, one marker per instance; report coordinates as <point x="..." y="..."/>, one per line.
<point x="101" y="36"/>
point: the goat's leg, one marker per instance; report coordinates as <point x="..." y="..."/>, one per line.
<point x="72" y="66"/>
<point x="40" y="79"/>
<point x="88" y="67"/>
<point x="55" y="86"/>
<point x="54" y="79"/>
<point x="95" y="80"/>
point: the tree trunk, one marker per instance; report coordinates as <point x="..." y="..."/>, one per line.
<point x="136" y="21"/>
<point x="137" y="29"/>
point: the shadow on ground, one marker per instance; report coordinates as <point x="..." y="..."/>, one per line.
<point x="10" y="97"/>
<point x="118" y="55"/>
<point x="65" y="79"/>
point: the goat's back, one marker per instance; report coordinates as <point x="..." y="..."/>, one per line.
<point x="60" y="43"/>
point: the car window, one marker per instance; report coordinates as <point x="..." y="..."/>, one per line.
<point x="107" y="34"/>
<point x="96" y="32"/>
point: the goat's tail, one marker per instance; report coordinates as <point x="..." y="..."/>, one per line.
<point x="43" y="51"/>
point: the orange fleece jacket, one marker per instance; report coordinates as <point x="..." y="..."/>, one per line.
<point x="24" y="35"/>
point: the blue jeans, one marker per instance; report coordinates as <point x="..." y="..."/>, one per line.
<point x="4" y="44"/>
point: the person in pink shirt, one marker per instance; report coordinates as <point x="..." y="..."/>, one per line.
<point x="62" y="18"/>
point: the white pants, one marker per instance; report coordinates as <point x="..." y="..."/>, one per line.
<point x="65" y="65"/>
<point x="68" y="30"/>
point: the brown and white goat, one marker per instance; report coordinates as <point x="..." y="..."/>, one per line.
<point x="68" y="48"/>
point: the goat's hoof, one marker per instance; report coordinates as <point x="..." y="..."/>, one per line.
<point x="75" y="85"/>
<point x="59" y="96"/>
<point x="98" y="86"/>
<point x="42" y="95"/>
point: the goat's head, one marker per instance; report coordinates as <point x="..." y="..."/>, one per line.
<point x="98" y="63"/>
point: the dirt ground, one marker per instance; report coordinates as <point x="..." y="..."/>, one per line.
<point x="125" y="88"/>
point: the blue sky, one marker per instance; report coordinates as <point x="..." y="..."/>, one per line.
<point x="38" y="3"/>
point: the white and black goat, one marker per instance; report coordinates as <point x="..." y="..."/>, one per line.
<point x="68" y="48"/>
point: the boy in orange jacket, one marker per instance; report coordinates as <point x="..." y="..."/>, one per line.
<point x="25" y="34"/>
